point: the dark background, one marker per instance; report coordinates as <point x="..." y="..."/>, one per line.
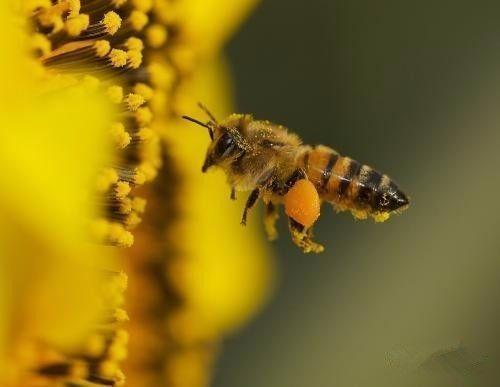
<point x="411" y="88"/>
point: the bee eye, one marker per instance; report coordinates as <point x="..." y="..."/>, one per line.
<point x="225" y="145"/>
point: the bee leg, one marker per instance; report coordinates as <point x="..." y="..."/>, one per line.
<point x="302" y="237"/>
<point x="270" y="219"/>
<point x="298" y="174"/>
<point x="252" y="199"/>
<point x="233" y="194"/>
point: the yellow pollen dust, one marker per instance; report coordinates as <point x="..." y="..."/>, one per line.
<point x="77" y="24"/>
<point x="118" y="57"/>
<point x="112" y="21"/>
<point x="102" y="48"/>
<point x="134" y="101"/>
<point x="115" y="94"/>
<point x="138" y="20"/>
<point x="134" y="58"/>
<point x="134" y="43"/>
<point x="359" y="214"/>
<point x="156" y="35"/>
<point x="381" y="217"/>
<point x="144" y="90"/>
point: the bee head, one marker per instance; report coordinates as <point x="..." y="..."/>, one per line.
<point x="227" y="141"/>
<point x="226" y="146"/>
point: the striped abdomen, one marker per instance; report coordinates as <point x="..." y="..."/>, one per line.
<point x="350" y="185"/>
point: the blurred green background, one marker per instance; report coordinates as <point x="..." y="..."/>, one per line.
<point x="413" y="89"/>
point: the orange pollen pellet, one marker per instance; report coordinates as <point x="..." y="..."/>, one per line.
<point x="302" y="203"/>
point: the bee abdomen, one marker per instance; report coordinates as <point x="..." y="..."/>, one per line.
<point x="350" y="185"/>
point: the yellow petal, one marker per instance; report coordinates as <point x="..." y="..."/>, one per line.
<point x="209" y="23"/>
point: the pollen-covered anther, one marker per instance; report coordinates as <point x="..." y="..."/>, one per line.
<point x="139" y="177"/>
<point x="156" y="35"/>
<point x="125" y="206"/>
<point x="116" y="234"/>
<point x="143" y="116"/>
<point x="143" y="5"/>
<point x="145" y="134"/>
<point x="122" y="189"/>
<point x="134" y="58"/>
<point x="102" y="48"/>
<point x="51" y="17"/>
<point x="132" y="221"/>
<point x="108" y="369"/>
<point x="162" y="75"/>
<point x="184" y="58"/>
<point x="120" y="136"/>
<point x="142" y="89"/>
<point x="139" y="205"/>
<point x="118" y="58"/>
<point x="134" y="43"/>
<point x="75" y="25"/>
<point x="106" y="179"/>
<point x="138" y="20"/>
<point x="112" y="22"/>
<point x="120" y="283"/>
<point x="115" y="94"/>
<point x="134" y="101"/>
<point x="166" y="11"/>
<point x="41" y="43"/>
<point x="118" y="3"/>
<point x="95" y="345"/>
<point x="112" y="233"/>
<point x="149" y="170"/>
<point x="120" y="315"/>
<point x="117" y="351"/>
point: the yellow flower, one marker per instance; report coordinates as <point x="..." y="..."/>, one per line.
<point x="91" y="96"/>
<point x="52" y="146"/>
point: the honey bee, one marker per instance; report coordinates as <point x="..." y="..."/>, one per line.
<point x="273" y="164"/>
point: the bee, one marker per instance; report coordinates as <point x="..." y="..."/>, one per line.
<point x="275" y="166"/>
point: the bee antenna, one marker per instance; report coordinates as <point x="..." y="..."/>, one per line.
<point x="207" y="112"/>
<point x="210" y="130"/>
